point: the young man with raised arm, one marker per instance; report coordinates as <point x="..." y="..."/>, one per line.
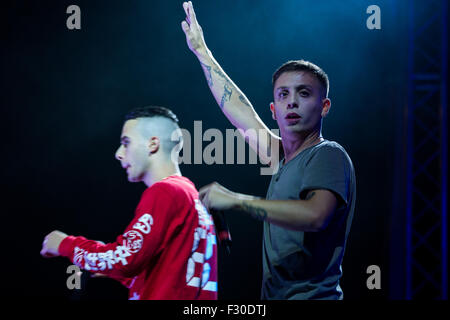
<point x="310" y="202"/>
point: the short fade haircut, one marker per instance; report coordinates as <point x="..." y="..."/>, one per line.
<point x="169" y="132"/>
<point x="303" y="66"/>
<point x="151" y="111"/>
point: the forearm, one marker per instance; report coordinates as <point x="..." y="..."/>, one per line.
<point x="112" y="259"/>
<point x="231" y="100"/>
<point x="291" y="214"/>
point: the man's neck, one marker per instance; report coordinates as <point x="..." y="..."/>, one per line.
<point x="160" y="172"/>
<point x="293" y="145"/>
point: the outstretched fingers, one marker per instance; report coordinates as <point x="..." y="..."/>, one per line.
<point x="186" y="11"/>
<point x="192" y="16"/>
<point x="185" y="26"/>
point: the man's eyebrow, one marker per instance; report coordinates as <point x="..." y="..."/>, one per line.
<point x="305" y="86"/>
<point x="302" y="86"/>
<point x="124" y="139"/>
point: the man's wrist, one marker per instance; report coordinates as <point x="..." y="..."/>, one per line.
<point x="203" y="55"/>
<point x="242" y="201"/>
<point x="256" y="211"/>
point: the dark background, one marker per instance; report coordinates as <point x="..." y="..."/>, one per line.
<point x="65" y="92"/>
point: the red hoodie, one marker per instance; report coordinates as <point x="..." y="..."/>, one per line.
<point x="168" y="251"/>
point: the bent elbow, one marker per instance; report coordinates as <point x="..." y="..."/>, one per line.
<point x="318" y="222"/>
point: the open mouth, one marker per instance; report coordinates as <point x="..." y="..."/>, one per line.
<point x="292" y="116"/>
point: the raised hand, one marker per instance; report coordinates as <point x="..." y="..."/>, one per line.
<point x="193" y="31"/>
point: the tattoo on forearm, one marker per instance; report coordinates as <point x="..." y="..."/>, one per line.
<point x="227" y="87"/>
<point x="310" y="195"/>
<point x="220" y="73"/>
<point x="255" y="212"/>
<point x="227" y="91"/>
<point x="244" y="101"/>
<point x="207" y="70"/>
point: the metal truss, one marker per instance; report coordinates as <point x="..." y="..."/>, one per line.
<point x="426" y="178"/>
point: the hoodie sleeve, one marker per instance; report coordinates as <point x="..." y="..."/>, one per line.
<point x="133" y="249"/>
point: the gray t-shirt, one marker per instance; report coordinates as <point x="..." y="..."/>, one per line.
<point x="307" y="265"/>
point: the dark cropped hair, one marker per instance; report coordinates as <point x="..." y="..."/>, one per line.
<point x="151" y="111"/>
<point x="305" y="66"/>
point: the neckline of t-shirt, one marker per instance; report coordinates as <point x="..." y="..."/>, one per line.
<point x="173" y="176"/>
<point x="315" y="145"/>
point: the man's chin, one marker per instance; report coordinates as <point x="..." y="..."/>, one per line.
<point x="294" y="128"/>
<point x="133" y="179"/>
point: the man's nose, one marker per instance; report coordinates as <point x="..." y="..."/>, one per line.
<point x="292" y="101"/>
<point x="292" y="104"/>
<point x="119" y="155"/>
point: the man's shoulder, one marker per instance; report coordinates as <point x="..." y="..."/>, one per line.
<point x="329" y="147"/>
<point x="326" y="153"/>
<point x="168" y="195"/>
<point x="330" y="144"/>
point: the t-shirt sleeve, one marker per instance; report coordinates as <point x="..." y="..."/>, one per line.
<point x="132" y="250"/>
<point x="329" y="168"/>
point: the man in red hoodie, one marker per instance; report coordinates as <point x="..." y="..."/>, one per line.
<point x="168" y="251"/>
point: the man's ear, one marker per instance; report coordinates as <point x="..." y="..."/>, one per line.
<point x="326" y="106"/>
<point x="153" y="144"/>
<point x="272" y="108"/>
